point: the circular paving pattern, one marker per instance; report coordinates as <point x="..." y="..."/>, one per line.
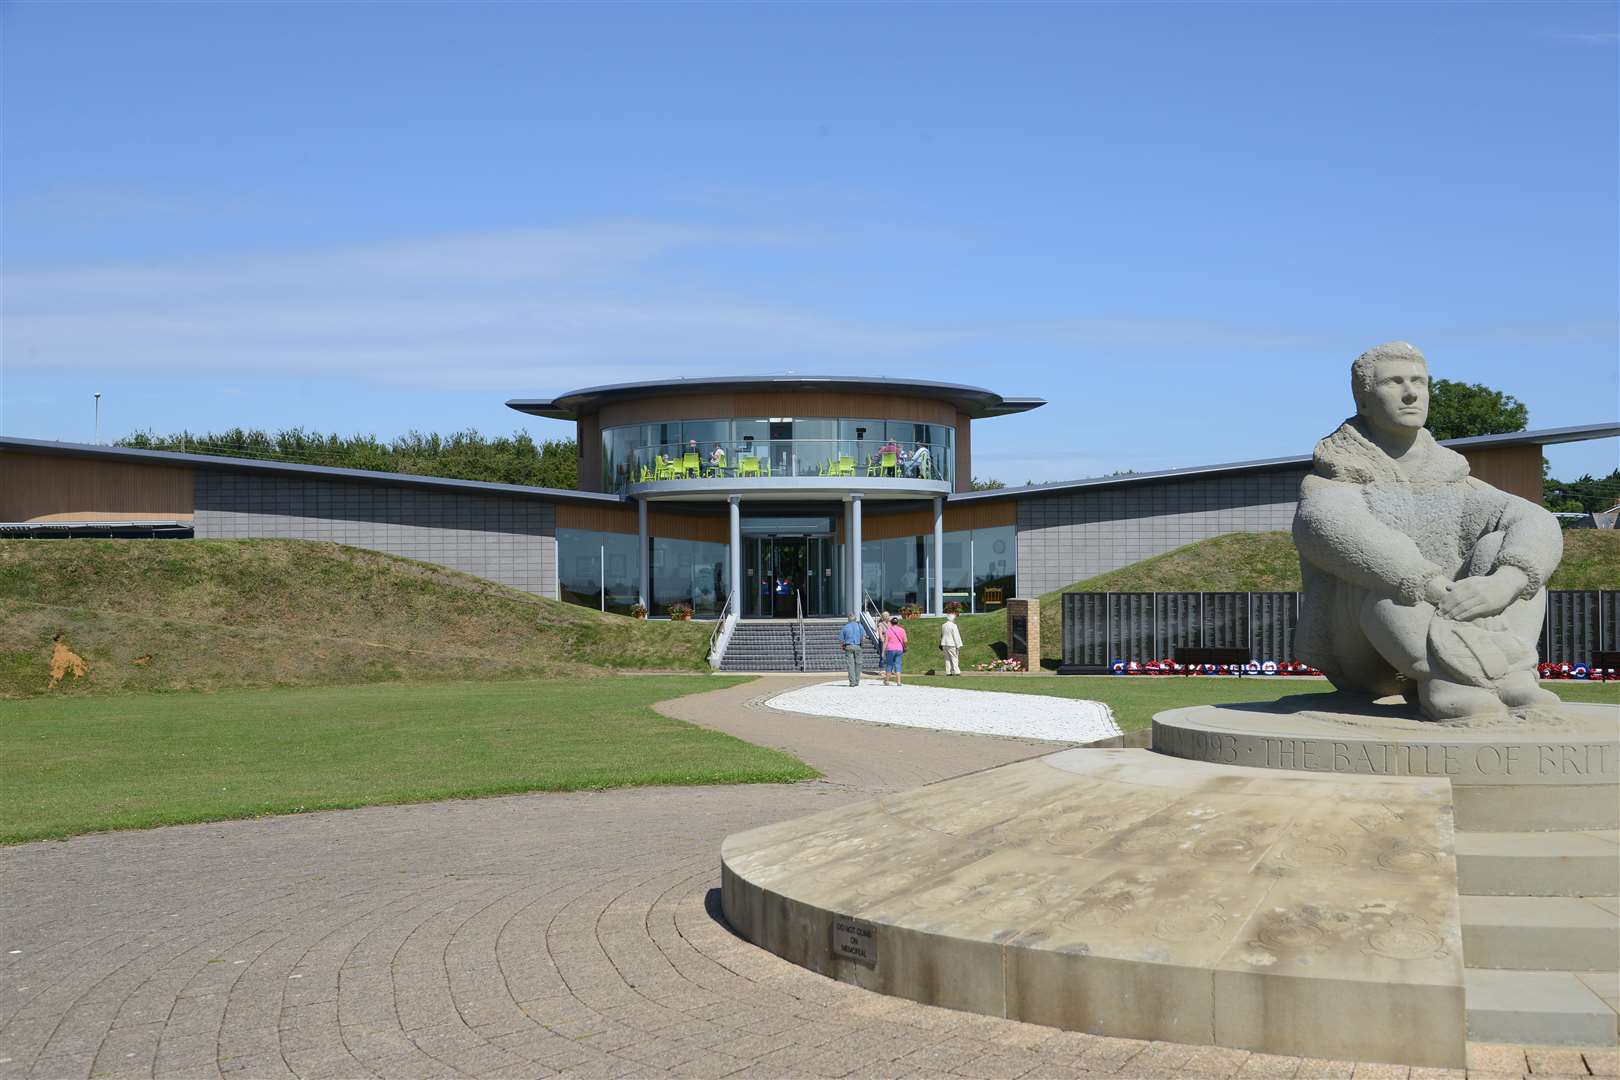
<point x="528" y="936"/>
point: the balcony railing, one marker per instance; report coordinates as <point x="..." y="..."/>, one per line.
<point x="765" y="459"/>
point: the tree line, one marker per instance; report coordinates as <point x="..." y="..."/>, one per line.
<point x="462" y="455"/>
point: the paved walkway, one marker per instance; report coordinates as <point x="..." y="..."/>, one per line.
<point x="527" y="936"/>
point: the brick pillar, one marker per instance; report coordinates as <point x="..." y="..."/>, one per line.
<point x="1024" y="632"/>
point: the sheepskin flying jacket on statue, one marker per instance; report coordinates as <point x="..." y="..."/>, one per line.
<point x="1369" y="525"/>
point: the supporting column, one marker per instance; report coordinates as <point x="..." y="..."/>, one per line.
<point x="855" y="552"/>
<point x="641" y="554"/>
<point x="735" y="553"/>
<point x="843" y="565"/>
<point x="938" y="599"/>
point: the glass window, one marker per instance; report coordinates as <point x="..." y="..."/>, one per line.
<point x="691" y="572"/>
<point x="958" y="571"/>
<point x="995" y="566"/>
<point x="582" y="555"/>
<point x="799" y="446"/>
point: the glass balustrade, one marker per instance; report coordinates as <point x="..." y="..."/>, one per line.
<point x="649" y="453"/>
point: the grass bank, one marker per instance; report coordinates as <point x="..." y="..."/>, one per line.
<point x="1134" y="699"/>
<point x="77" y="765"/>
<point x="150" y="615"/>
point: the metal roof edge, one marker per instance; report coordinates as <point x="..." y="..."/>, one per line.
<point x="1538" y="437"/>
<point x="983" y="403"/>
<point x="171" y="457"/>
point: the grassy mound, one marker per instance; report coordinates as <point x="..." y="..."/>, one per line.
<point x="1235" y="562"/>
<point x="149" y="615"/>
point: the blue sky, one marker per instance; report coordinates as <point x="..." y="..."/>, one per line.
<point x="1178" y="223"/>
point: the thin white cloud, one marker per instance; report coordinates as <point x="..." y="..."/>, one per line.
<point x="521" y="311"/>
<point x="1587" y="37"/>
<point x="529" y="308"/>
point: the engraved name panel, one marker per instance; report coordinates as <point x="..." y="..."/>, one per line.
<point x="1478" y="762"/>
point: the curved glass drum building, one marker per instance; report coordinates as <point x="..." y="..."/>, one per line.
<point x="813" y="493"/>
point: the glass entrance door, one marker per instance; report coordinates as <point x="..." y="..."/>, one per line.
<point x="779" y="570"/>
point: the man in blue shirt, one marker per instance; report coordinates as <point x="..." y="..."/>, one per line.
<point x="851" y="637"/>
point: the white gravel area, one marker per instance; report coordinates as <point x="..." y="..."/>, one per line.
<point x="982" y="712"/>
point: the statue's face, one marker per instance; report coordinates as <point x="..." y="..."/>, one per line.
<point x="1399" y="398"/>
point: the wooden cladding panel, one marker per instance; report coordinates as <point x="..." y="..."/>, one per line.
<point x="964" y="453"/>
<point x="589" y="437"/>
<point x="715" y="528"/>
<point x="46" y="487"/>
<point x="617" y="519"/>
<point x="726" y="406"/>
<point x="1514" y="469"/>
<point x="921" y="522"/>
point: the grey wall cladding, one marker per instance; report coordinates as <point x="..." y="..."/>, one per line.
<point x="509" y="540"/>
<point x="1072" y="536"/>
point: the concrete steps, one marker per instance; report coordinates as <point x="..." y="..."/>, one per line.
<point x="1541" y="933"/>
<point x="1541" y="928"/>
<point x="1570" y="863"/>
<point x="1544" y="1008"/>
<point x="776" y="645"/>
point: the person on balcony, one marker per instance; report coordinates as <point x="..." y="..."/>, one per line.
<point x="918" y="465"/>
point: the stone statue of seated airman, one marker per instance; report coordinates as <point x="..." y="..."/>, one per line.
<point x="1419" y="579"/>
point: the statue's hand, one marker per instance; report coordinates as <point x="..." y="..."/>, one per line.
<point x="1481" y="597"/>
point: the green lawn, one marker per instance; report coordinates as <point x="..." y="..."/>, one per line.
<point x="1134" y="699"/>
<point x="76" y="765"/>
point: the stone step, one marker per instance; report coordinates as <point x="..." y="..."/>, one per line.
<point x="1541" y="1008"/>
<point x="1570" y="863"/>
<point x="1536" y="807"/>
<point x="1541" y="933"/>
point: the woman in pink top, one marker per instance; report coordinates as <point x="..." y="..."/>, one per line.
<point x="894" y="648"/>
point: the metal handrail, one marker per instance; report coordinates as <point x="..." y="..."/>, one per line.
<point x="720" y="636"/>
<point x="869" y="617"/>
<point x="798" y="644"/>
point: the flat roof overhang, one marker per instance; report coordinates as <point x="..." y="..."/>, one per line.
<point x="789" y="489"/>
<point x="974" y="401"/>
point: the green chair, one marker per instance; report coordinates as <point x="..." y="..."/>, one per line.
<point x="845" y="466"/>
<point x="890" y="466"/>
<point x="691" y="467"/>
<point x="748" y="466"/>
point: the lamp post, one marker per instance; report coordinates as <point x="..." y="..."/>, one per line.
<point x="98" y="419"/>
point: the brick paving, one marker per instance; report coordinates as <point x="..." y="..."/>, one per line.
<point x="530" y="936"/>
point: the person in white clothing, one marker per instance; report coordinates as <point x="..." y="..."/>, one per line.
<point x="950" y="640"/>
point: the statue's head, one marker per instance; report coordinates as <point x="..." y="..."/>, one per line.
<point x="1391" y="387"/>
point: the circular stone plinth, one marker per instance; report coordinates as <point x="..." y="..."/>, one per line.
<point x="1548" y="769"/>
<point x="1126" y="893"/>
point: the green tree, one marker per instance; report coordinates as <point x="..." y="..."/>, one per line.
<point x="462" y="455"/>
<point x="985" y="484"/>
<point x="1587" y="494"/>
<point x="1458" y="410"/>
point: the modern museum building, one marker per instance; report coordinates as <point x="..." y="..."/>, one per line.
<point x="811" y="493"/>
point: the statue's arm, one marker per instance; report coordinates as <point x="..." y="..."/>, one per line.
<point x="1531" y="538"/>
<point x="1335" y="532"/>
